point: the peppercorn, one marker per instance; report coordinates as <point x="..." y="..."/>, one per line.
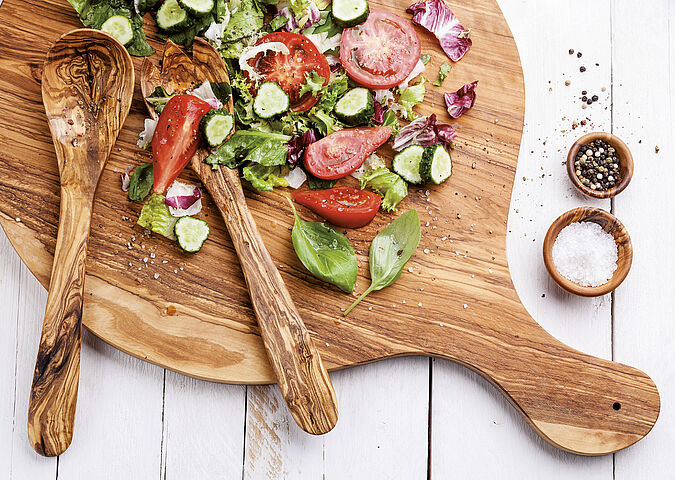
<point x="582" y="69"/>
<point x="595" y="98"/>
<point x="584" y="98"/>
<point x="579" y="55"/>
<point x="571" y="51"/>
<point x="596" y="165"/>
<point x="584" y="92"/>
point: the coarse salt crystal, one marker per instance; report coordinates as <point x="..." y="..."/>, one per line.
<point x="585" y="254"/>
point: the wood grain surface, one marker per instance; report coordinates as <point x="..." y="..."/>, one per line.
<point x="459" y="299"/>
<point x="297" y="365"/>
<point x="87" y="87"/>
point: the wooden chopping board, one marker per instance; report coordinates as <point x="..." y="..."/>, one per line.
<point x="456" y="301"/>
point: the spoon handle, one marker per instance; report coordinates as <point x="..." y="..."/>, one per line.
<point x="300" y="373"/>
<point x="53" y="396"/>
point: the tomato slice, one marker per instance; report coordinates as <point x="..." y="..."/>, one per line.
<point x="289" y="71"/>
<point x="341" y="206"/>
<point x="176" y="138"/>
<point x="342" y="152"/>
<point x="381" y="52"/>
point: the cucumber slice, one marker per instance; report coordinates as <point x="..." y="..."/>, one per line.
<point x="171" y="17"/>
<point x="270" y="101"/>
<point x="191" y="233"/>
<point x="119" y="27"/>
<point x="436" y="164"/>
<point x="198" y="8"/>
<point x="407" y="163"/>
<point x="348" y="13"/>
<point x="216" y="125"/>
<point x="356" y="107"/>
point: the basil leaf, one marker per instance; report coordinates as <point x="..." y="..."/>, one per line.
<point x="326" y="253"/>
<point x="390" y="251"/>
<point x="140" y="183"/>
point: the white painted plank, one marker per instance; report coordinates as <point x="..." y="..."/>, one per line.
<point x="644" y="117"/>
<point x="381" y="431"/>
<point x="475" y="432"/>
<point x="23" y="300"/>
<point x="118" y="425"/>
<point x="203" y="429"/>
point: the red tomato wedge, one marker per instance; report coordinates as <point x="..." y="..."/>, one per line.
<point x="289" y="71"/>
<point x="341" y="206"/>
<point x="381" y="52"/>
<point x="176" y="138"/>
<point x="342" y="152"/>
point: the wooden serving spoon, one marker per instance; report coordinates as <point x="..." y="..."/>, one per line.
<point x="297" y="364"/>
<point x="87" y="87"/>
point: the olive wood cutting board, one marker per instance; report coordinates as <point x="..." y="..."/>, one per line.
<point x="456" y="301"/>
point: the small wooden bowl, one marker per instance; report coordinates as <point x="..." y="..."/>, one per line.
<point x="622" y="153"/>
<point x="609" y="224"/>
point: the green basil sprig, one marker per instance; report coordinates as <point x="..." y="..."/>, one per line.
<point x="326" y="253"/>
<point x="390" y="251"/>
<point x="140" y="183"/>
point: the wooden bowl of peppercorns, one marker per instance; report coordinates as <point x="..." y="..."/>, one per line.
<point x="600" y="165"/>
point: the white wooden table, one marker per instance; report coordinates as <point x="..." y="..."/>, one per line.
<point x="415" y="418"/>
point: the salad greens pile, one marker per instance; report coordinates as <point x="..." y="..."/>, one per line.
<point x="273" y="135"/>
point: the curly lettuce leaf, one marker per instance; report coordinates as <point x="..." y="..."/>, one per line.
<point x="265" y="178"/>
<point x="156" y="217"/>
<point x="410" y="97"/>
<point x="388" y="184"/>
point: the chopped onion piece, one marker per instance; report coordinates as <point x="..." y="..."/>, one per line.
<point x="183" y="199"/>
<point x="145" y="137"/>
<point x="296" y="177"/>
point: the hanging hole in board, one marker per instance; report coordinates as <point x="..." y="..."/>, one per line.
<point x="616" y="406"/>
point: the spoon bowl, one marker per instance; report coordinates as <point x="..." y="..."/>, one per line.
<point x="87" y="88"/>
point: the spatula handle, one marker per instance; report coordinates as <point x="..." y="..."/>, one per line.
<point x="53" y="396"/>
<point x="301" y="375"/>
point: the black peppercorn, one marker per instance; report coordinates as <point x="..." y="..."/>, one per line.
<point x="595" y="98"/>
<point x="582" y="69"/>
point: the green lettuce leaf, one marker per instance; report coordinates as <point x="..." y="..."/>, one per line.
<point x="443" y="73"/>
<point x="411" y="96"/>
<point x="313" y="84"/>
<point x="265" y="178"/>
<point x="155" y="216"/>
<point x="388" y="184"/>
<point x="246" y="22"/>
<point x="264" y="148"/>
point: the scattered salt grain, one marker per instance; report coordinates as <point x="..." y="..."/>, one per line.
<point x="156" y="276"/>
<point x="585" y="254"/>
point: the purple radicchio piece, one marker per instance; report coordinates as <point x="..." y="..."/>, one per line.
<point x="461" y="100"/>
<point x="436" y="16"/>
<point x="425" y="131"/>
<point x="378" y="116"/>
<point x="297" y="146"/>
<point x="291" y="24"/>
<point x="183" y="202"/>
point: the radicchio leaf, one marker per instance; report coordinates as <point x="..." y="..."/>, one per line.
<point x="461" y="100"/>
<point x="378" y="116"/>
<point x="297" y="146"/>
<point x="424" y="131"/>
<point x="436" y="16"/>
<point x="184" y="202"/>
<point x="291" y="24"/>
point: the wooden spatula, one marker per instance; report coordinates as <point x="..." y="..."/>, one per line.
<point x="302" y="378"/>
<point x="87" y="87"/>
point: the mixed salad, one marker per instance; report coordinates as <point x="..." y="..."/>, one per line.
<point x="317" y="88"/>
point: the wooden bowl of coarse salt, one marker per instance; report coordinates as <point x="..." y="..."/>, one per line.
<point x="588" y="251"/>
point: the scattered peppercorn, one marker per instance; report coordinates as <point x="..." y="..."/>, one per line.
<point x="571" y="51"/>
<point x="584" y="92"/>
<point x="597" y="166"/>
<point x="582" y="69"/>
<point x="584" y="98"/>
<point x="578" y="54"/>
